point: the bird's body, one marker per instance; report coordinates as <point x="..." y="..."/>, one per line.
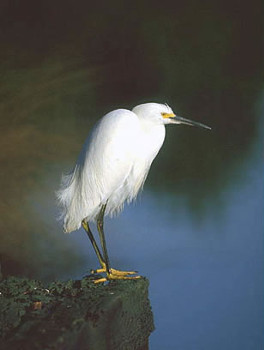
<point x="112" y="167"/>
<point x="113" y="164"/>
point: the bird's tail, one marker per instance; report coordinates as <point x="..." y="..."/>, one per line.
<point x="67" y="201"/>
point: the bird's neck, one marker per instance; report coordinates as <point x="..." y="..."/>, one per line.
<point x="154" y="136"/>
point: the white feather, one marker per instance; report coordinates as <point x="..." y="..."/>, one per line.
<point x="113" y="164"/>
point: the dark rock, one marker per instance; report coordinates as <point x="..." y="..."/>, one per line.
<point x="75" y="315"/>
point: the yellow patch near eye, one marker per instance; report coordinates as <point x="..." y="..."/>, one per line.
<point x="168" y="115"/>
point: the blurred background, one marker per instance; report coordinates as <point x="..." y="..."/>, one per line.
<point x="198" y="226"/>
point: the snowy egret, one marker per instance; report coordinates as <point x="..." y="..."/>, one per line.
<point x="111" y="170"/>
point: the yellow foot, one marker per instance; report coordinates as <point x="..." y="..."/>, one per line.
<point x="111" y="276"/>
<point x="115" y="272"/>
<point x="115" y="275"/>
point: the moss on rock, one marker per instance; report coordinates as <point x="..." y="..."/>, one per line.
<point x="74" y="314"/>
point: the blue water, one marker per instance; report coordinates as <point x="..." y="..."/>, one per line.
<point x="213" y="295"/>
<point x="206" y="282"/>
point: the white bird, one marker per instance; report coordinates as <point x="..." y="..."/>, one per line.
<point x="111" y="169"/>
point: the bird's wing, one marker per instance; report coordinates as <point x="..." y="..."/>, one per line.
<point x="109" y="154"/>
<point x="102" y="169"/>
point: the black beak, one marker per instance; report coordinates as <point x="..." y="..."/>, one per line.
<point x="181" y="120"/>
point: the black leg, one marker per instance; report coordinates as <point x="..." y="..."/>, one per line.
<point x="86" y="226"/>
<point x="100" y="227"/>
<point x="111" y="274"/>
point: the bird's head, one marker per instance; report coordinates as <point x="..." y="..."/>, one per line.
<point x="157" y="113"/>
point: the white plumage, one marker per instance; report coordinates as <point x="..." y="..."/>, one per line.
<point x="114" y="162"/>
